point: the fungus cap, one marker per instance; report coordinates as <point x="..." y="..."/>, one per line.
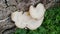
<point x="32" y="21"/>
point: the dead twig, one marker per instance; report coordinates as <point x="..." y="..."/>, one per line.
<point x="4" y="19"/>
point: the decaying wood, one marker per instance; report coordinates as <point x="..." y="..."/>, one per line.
<point x="9" y="6"/>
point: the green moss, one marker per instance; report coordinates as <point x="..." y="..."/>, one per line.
<point x="51" y="24"/>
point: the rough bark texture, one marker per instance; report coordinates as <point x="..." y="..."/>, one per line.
<point x="9" y="6"/>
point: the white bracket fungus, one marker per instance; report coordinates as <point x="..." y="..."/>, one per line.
<point x="38" y="11"/>
<point x="32" y="21"/>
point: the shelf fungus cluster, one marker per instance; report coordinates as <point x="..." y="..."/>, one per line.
<point x="31" y="19"/>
